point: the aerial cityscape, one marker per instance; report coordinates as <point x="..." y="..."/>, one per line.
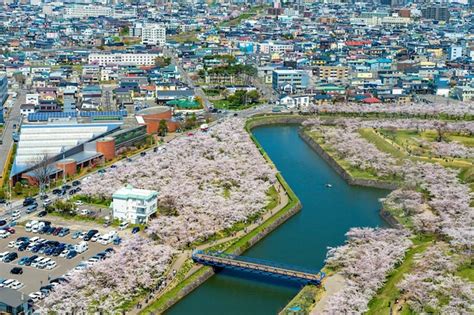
<point x="236" y="157"/>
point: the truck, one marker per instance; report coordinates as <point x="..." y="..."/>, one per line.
<point x="81" y="247"/>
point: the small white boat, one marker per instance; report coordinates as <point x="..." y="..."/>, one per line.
<point x="328" y="185"/>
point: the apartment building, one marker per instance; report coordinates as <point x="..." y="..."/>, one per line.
<point x="153" y="34"/>
<point x="139" y="59"/>
<point x="333" y="73"/>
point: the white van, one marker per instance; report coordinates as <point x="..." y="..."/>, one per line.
<point x="4" y="234"/>
<point x="81" y="247"/>
<point x="107" y="238"/>
<point x="123" y="225"/>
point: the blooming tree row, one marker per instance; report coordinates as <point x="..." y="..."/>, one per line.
<point x="448" y="197"/>
<point x="432" y="286"/>
<point x="103" y="287"/>
<point x="350" y="146"/>
<point x="206" y="182"/>
<point x="459" y="110"/>
<point x="365" y="260"/>
<point x="463" y="127"/>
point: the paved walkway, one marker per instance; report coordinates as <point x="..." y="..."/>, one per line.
<point x="186" y="254"/>
<point x="332" y="285"/>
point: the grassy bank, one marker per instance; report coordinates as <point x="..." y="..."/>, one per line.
<point x="389" y="293"/>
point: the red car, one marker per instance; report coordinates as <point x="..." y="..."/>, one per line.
<point x="190" y="134"/>
<point x="10" y="230"/>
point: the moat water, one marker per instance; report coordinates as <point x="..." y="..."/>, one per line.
<point x="327" y="214"/>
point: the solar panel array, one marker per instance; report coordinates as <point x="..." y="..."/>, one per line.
<point x="45" y="116"/>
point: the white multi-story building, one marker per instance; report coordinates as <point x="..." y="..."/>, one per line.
<point x="134" y="205"/>
<point x="153" y="34"/>
<point x="81" y="11"/>
<point x="104" y="59"/>
<point x="270" y="48"/>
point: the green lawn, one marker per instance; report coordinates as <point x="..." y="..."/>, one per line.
<point x="389" y="292"/>
<point x="370" y="135"/>
<point x="225" y="104"/>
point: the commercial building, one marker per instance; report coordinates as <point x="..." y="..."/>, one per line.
<point x="134" y="205"/>
<point x="138" y="59"/>
<point x="67" y="146"/>
<point x="3" y="94"/>
<point x="153" y="34"/>
<point x="14" y="302"/>
<point x="290" y="80"/>
<point x="438" y="13"/>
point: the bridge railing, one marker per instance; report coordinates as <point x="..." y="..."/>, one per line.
<point x="258" y="261"/>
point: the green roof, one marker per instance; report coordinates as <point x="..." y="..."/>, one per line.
<point x="184" y="104"/>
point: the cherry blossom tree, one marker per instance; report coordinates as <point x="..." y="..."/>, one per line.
<point x="103" y="287"/>
<point x="365" y="260"/>
<point x="215" y="179"/>
<point x="432" y="286"/>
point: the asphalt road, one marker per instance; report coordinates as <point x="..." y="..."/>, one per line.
<point x="13" y="118"/>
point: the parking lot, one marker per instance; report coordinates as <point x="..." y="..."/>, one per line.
<point x="33" y="278"/>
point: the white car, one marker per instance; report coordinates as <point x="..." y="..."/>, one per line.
<point x="51" y="265"/>
<point x="78" y="203"/>
<point x="47" y="202"/>
<point x="4" y="234"/>
<point x="85" y="212"/>
<point x="6" y="283"/>
<point x="95" y="237"/>
<point x="64" y="253"/>
<point x="12" y="244"/>
<point x="36" y="296"/>
<point x="15" y="285"/>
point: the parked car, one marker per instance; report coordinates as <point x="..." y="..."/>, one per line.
<point x="23" y="260"/>
<point x="9" y="230"/>
<point x="76" y="183"/>
<point x="56" y="231"/>
<point x="78" y="203"/>
<point x="30" y="260"/>
<point x="71" y="254"/>
<point x="135" y="230"/>
<point x="3" y="222"/>
<point x="16" y="270"/>
<point x="10" y="257"/>
<point x="42" y="214"/>
<point x="56" y="191"/>
<point x="63" y="232"/>
<point x="4" y="234"/>
<point x="90" y="234"/>
<point x="123" y="225"/>
<point x="76" y="235"/>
